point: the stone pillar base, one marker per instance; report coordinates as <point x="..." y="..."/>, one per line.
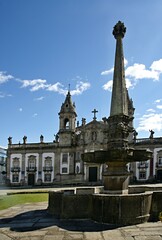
<point x="114" y="184"/>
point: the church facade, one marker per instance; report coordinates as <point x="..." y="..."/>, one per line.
<point x="60" y="162"/>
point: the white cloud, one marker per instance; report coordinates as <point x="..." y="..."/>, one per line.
<point x="4" y="77"/>
<point x="129" y="84"/>
<point x="35" y="115"/>
<point x="159" y="106"/>
<point x="80" y="88"/>
<point x="39" y="99"/>
<point x="37" y="84"/>
<point x="108" y="86"/>
<point x="107" y="72"/>
<point x="157" y="66"/>
<point x="158" y="100"/>
<point x="125" y="62"/>
<point x="57" y="87"/>
<point x="150" y="121"/>
<point x="150" y="110"/>
<point x="137" y="72"/>
<point x="2" y="95"/>
<point x="34" y="84"/>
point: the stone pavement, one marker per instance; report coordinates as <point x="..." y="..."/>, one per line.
<point x="32" y="222"/>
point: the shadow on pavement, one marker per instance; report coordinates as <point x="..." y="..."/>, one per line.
<point x="39" y="219"/>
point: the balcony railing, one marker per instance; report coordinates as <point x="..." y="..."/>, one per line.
<point x="48" y="169"/>
<point x="142" y="165"/>
<point x="15" y="169"/>
<point x="31" y="169"/>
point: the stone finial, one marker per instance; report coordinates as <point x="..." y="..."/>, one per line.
<point x="119" y="30"/>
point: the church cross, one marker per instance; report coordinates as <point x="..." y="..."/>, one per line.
<point x="94" y="111"/>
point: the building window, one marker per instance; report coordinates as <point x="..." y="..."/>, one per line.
<point x="15" y="178"/>
<point x="32" y="162"/>
<point x="142" y="175"/>
<point x="16" y="162"/>
<point x="64" y="170"/>
<point x="64" y="163"/>
<point x="160" y="160"/>
<point x="64" y="158"/>
<point x="48" y="161"/>
<point x="15" y="165"/>
<point x="47" y="177"/>
<point x="78" y="156"/>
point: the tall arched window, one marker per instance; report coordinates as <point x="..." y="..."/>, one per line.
<point x="16" y="162"/>
<point x="48" y="163"/>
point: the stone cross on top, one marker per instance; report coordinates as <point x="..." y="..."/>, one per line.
<point x="94" y="111"/>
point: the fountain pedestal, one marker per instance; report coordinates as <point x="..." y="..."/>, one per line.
<point x="115" y="184"/>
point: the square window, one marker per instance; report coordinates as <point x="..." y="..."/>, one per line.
<point x="47" y="177"/>
<point x="64" y="170"/>
<point x="15" y="178"/>
<point x="142" y="175"/>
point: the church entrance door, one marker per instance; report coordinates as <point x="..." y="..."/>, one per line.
<point x="31" y="179"/>
<point x="92" y="174"/>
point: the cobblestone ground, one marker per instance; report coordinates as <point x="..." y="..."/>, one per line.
<point x="32" y="221"/>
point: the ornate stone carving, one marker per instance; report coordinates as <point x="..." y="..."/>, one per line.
<point x="119" y="30"/>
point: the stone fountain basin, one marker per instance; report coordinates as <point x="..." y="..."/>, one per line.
<point x="106" y="208"/>
<point x="117" y="155"/>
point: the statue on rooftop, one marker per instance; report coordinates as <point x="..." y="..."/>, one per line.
<point x="10" y="140"/>
<point x="24" y="139"/>
<point x="151" y="134"/>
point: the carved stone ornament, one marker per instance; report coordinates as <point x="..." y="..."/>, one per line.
<point x="119" y="30"/>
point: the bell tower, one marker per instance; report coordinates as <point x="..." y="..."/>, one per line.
<point x="67" y="121"/>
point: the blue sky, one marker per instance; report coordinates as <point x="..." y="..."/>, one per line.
<point x="47" y="44"/>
